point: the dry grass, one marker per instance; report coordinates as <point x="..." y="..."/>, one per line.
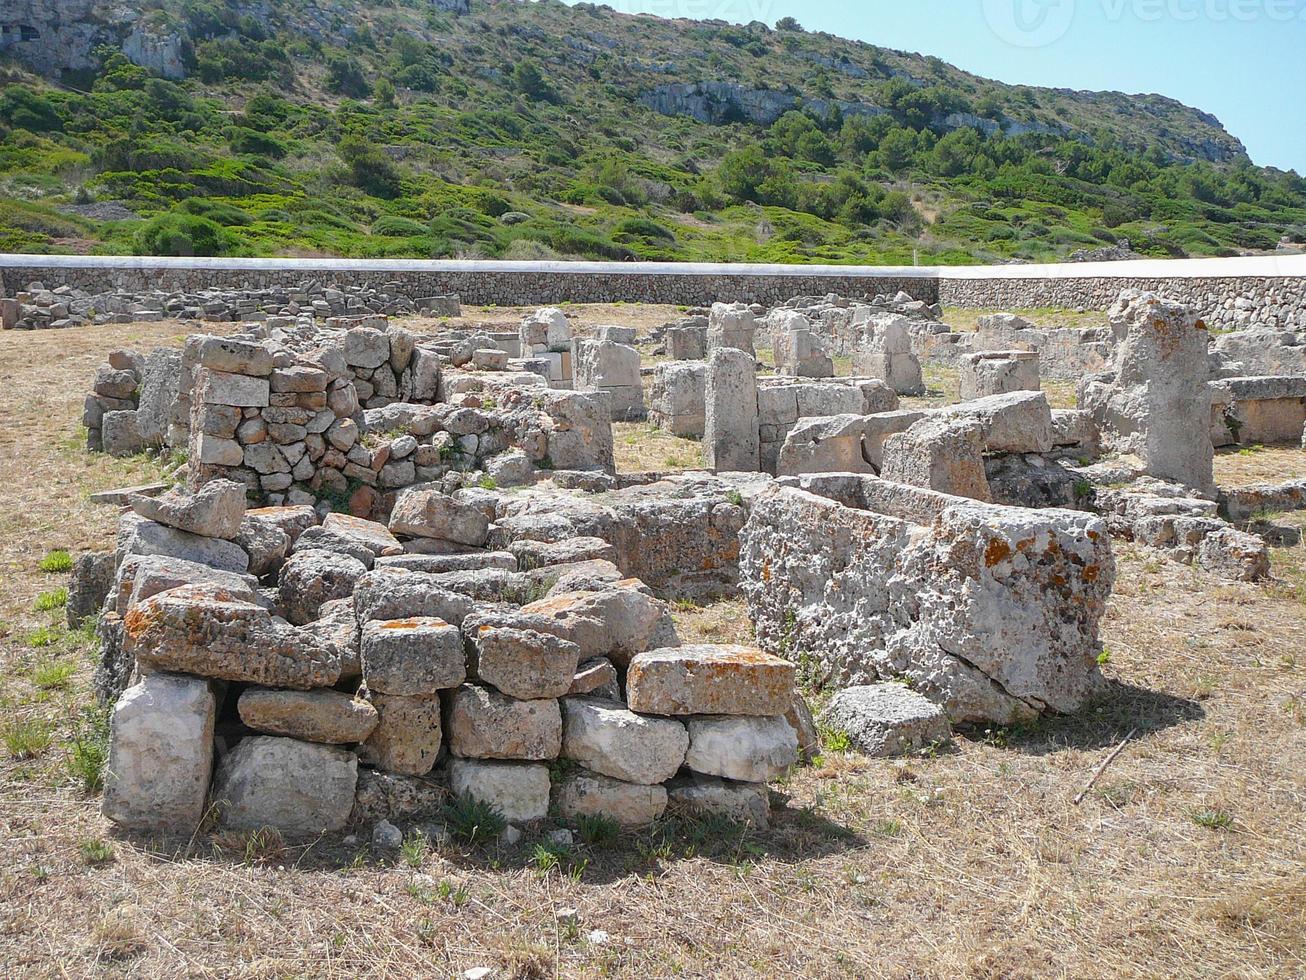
<point x="1243" y="466"/>
<point x="1188" y="859"/>
<point x="643" y="448"/>
<point x="1047" y="317"/>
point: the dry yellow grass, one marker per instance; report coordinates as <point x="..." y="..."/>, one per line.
<point x="1188" y="859"/>
<point x="1242" y="466"/>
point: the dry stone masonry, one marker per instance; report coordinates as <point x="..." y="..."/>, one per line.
<point x="402" y="567"/>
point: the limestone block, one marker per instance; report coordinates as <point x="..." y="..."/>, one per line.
<point x="755" y="750"/>
<point x="522" y="664"/>
<point x="431" y="514"/>
<point x="414" y="656"/>
<point x="137" y="536"/>
<point x="886" y="719"/>
<point x="996" y="373"/>
<point x="312" y="577"/>
<point x="313" y="716"/>
<point x="518" y="790"/>
<point x="940" y="453"/>
<point x="677" y="399"/>
<point x="731" y="412"/>
<point x="215" y="510"/>
<point x="294" y="787"/>
<point x="408" y="734"/>
<point x="709" y="679"/>
<point x="484" y="724"/>
<point x="586" y="794"/>
<point x="701" y="795"/>
<point x="608" y="738"/>
<point x="120" y="434"/>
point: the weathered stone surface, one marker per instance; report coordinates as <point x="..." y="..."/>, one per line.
<point x="293" y="520"/>
<point x="608" y="738"/>
<point x="214" y="510"/>
<point x="313" y="716"/>
<point x="615" y="623"/>
<point x="754" y="750"/>
<point x="601" y="365"/>
<point x="518" y="790"/>
<point x="886" y="719"/>
<point x="337" y="629"/>
<point x="89" y="585"/>
<point x="730" y="436"/>
<point x="731" y="325"/>
<point x="220" y="388"/>
<point x="420" y="655"/>
<point x="393" y="593"/>
<point x="830" y="444"/>
<point x="160" y="381"/>
<point x="801" y="721"/>
<point x="1017" y="422"/>
<point x="120" y="434"/>
<point x="522" y="664"/>
<point x="375" y="537"/>
<point x="540" y="554"/>
<point x="141" y="576"/>
<point x="598" y="677"/>
<point x="310" y="578"/>
<point x="392" y="796"/>
<point x="996" y="372"/>
<point x="160" y="754"/>
<point x="991" y="611"/>
<point x="884" y="351"/>
<point x="707" y="795"/>
<point x="407" y="738"/>
<point x="232" y="355"/>
<point x="677" y="398"/>
<point x="203" y="630"/>
<point x="940" y="453"/>
<point x="586" y="794"/>
<point x="484" y="724"/>
<point x="1157" y="404"/>
<point x="707" y="678"/>
<point x="265" y="543"/>
<point x="137" y="536"/>
<point x="431" y="514"/>
<point x="292" y="786"/>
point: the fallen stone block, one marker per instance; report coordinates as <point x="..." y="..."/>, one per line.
<point x="214" y="510"/>
<point x="312" y="577"/>
<point x="884" y="720"/>
<point x="137" y="536"/>
<point x="432" y="514"/>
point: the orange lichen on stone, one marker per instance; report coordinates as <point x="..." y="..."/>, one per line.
<point x="997" y="551"/>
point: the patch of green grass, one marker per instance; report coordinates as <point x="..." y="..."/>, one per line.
<point x="834" y="739"/>
<point x="414" y="850"/>
<point x="488" y="482"/>
<point x="51" y="600"/>
<point x="54" y="674"/>
<point x="41" y="637"/>
<point x="88" y="752"/>
<point x="597" y="828"/>
<point x="95" y="851"/>
<point x="26" y="738"/>
<point x="56" y="561"/>
<point x="473" y="821"/>
<point x="1212" y="818"/>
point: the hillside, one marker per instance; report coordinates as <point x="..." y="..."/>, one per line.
<point x="433" y="128"/>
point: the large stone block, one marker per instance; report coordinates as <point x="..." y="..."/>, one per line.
<point x="141" y="576"/>
<point x="991" y="611"/>
<point x="424" y="513"/>
<point x="940" y="453"/>
<point x="522" y="664"/>
<point x="329" y="717"/>
<point x="160" y="754"/>
<point x="408" y="734"/>
<point x="731" y="325"/>
<point x="886" y="719"/>
<point x="138" y="536"/>
<point x="518" y="790"/>
<point x="600" y="365"/>
<point x="484" y="724"/>
<point x="420" y="655"/>
<point x="221" y="388"/>
<point x="310" y="578"/>
<point x="704" y="678"/>
<point x="677" y="401"/>
<point x="608" y="738"/>
<point x="291" y="786"/>
<point x="120" y="433"/>
<point x="587" y="794"/>
<point x="754" y="750"/>
<point x="215" y="510"/>
<point x="204" y="630"/>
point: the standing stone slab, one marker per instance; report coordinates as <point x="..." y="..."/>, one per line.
<point x="518" y="790"/>
<point x="88" y="586"/>
<point x="608" y="738"/>
<point x="485" y="724"/>
<point x="329" y="717"/>
<point x="754" y="750"/>
<point x="730" y="435"/>
<point x="291" y="786"/>
<point x="704" y="679"/>
<point x="886" y="719"/>
<point x="160" y="754"/>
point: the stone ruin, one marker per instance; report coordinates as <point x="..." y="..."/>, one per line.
<point x="403" y="566"/>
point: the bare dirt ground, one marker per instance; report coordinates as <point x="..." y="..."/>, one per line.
<point x="1186" y="859"/>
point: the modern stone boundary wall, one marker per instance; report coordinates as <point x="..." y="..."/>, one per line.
<point x="1228" y="293"/>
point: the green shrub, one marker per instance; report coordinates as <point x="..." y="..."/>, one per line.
<point x="56" y="561"/>
<point x="224" y="214"/>
<point x="396" y="227"/>
<point x="182" y="235"/>
<point x="473" y="821"/>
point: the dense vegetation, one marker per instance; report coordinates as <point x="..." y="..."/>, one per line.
<point x="521" y="131"/>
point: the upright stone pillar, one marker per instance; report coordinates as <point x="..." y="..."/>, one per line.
<point x="730" y="430"/>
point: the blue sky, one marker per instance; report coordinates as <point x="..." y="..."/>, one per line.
<point x="1243" y="60"/>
